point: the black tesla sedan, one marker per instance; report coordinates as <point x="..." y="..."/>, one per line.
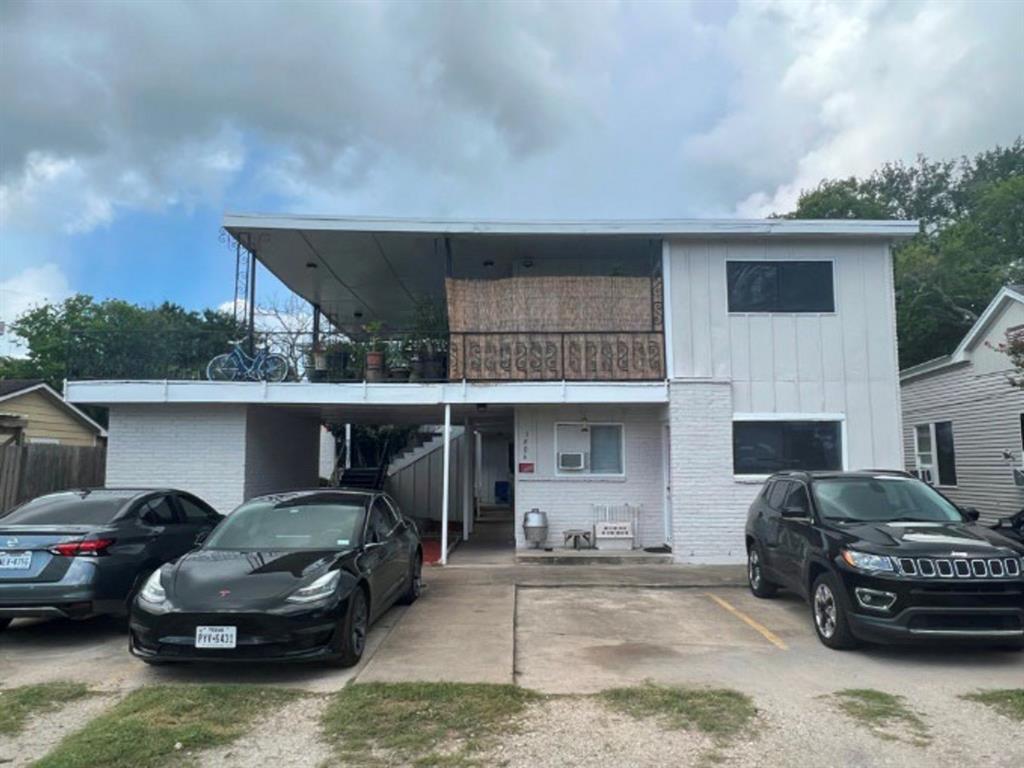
<point x="286" y="577"/>
<point x="884" y="557"/>
<point x="81" y="553"/>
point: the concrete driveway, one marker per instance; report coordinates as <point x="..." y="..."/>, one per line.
<point x="585" y="639"/>
<point x="96" y="652"/>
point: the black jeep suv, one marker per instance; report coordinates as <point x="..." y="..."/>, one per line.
<point x="883" y="557"/>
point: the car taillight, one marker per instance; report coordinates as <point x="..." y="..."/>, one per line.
<point x="88" y="548"/>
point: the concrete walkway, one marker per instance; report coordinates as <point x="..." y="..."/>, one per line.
<point x="463" y="627"/>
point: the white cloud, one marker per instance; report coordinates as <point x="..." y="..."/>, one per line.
<point x="32" y="287"/>
<point x="833" y="90"/>
<point x="486" y="109"/>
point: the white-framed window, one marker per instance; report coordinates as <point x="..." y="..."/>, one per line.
<point x="802" y="286"/>
<point x="763" y="444"/>
<point x="935" y="452"/>
<point x="588" y="448"/>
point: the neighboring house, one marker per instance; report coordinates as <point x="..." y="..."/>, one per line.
<point x="656" y="368"/>
<point x="32" y="412"/>
<point x="963" y="422"/>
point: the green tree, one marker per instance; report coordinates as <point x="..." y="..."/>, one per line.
<point x="81" y="338"/>
<point x="971" y="241"/>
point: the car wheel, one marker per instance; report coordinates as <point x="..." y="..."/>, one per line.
<point x="5" y="623"/>
<point x="829" y="614"/>
<point x="353" y="630"/>
<point x="759" y="585"/>
<point x="414" y="584"/>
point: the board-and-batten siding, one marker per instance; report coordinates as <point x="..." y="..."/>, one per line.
<point x="48" y="420"/>
<point x="786" y="363"/>
<point x="985" y="411"/>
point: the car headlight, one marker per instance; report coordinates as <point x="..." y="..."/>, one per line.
<point x="864" y="561"/>
<point x="153" y="591"/>
<point x="317" y="590"/>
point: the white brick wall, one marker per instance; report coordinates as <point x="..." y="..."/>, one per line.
<point x="569" y="502"/>
<point x="709" y="507"/>
<point x="224" y="454"/>
<point x="198" y="448"/>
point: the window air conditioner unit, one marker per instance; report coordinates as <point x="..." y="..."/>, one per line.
<point x="572" y="462"/>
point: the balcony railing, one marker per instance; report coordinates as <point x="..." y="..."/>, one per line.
<point x="571" y="356"/>
<point x="403" y="356"/>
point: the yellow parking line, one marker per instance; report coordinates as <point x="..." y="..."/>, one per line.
<point x="766" y="633"/>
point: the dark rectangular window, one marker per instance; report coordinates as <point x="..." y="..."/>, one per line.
<point x="945" y="452"/>
<point x="763" y="447"/>
<point x="780" y="286"/>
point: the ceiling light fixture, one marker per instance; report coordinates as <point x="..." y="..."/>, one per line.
<point x="311" y="265"/>
<point x="488" y="262"/>
<point x="357" y="313"/>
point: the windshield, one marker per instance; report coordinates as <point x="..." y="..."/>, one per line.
<point x="291" y="524"/>
<point x="882" y="499"/>
<point x="93" y="508"/>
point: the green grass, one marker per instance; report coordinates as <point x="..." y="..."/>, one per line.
<point x="882" y="713"/>
<point x="426" y="724"/>
<point x="718" y="712"/>
<point x="142" y="729"/>
<point x="18" y="704"/>
<point x="1009" y="702"/>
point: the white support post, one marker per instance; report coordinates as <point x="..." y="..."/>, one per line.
<point x="445" y="482"/>
<point x="348" y="446"/>
<point x="467" y="480"/>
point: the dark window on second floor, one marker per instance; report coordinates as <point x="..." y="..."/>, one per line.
<point x="763" y="447"/>
<point x="781" y="286"/>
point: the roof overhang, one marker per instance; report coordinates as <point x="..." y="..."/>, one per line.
<point x="361" y="269"/>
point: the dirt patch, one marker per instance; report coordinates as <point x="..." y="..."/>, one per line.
<point x="43" y="731"/>
<point x="287" y="738"/>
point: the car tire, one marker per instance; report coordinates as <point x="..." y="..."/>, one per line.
<point x="5" y="623"/>
<point x="414" y="581"/>
<point x="353" y="629"/>
<point x="759" y="585"/>
<point x="828" y="614"/>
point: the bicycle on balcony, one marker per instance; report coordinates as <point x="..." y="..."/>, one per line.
<point x="237" y="365"/>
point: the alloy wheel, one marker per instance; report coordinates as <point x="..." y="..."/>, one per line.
<point x="359" y="623"/>
<point x="417" y="577"/>
<point x="754" y="569"/>
<point x="825" y="611"/>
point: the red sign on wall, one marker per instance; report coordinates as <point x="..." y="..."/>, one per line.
<point x="525" y="467"/>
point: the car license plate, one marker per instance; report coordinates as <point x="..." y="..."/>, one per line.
<point x="216" y="637"/>
<point x="15" y="561"/>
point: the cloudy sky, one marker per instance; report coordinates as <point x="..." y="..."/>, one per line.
<point x="127" y="129"/>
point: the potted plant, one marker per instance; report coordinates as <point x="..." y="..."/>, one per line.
<point x="338" y="360"/>
<point x="375" y="352"/>
<point x="431" y="339"/>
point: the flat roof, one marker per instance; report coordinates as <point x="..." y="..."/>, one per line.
<point x="642" y="227"/>
<point x="362" y="269"/>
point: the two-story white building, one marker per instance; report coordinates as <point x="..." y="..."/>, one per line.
<point x="661" y="367"/>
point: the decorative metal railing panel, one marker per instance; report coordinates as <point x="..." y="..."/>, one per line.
<point x="576" y="356"/>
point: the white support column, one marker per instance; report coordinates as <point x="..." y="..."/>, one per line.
<point x="348" y="446"/>
<point x="467" y="480"/>
<point x="446" y="468"/>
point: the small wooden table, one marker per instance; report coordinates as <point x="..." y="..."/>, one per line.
<point x="581" y="538"/>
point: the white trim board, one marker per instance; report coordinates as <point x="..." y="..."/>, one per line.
<point x="365" y="393"/>
<point x="644" y="227"/>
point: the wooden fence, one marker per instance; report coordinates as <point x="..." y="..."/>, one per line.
<point x="27" y="471"/>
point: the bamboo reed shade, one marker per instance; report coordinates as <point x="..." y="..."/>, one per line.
<point x="551" y="304"/>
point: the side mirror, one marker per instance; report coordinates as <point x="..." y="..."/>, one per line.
<point x="795" y="511"/>
<point x="971" y="514"/>
<point x="201" y="537"/>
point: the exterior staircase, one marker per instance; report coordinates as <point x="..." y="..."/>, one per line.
<point x="410" y="456"/>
